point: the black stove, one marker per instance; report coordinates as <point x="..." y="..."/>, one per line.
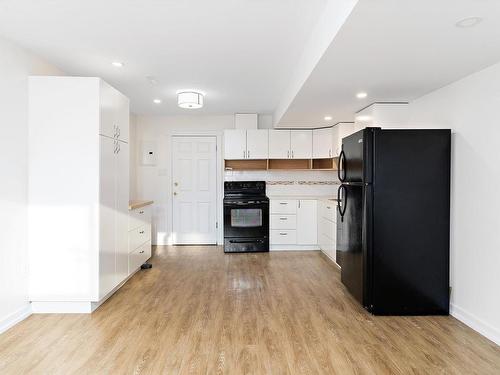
<point x="246" y="217"/>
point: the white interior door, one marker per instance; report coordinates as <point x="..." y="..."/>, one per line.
<point x="194" y="189"/>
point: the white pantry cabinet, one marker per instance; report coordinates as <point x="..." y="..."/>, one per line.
<point x="290" y="144"/>
<point x="78" y="192"/>
<point x="323" y="143"/>
<point x="245" y="144"/>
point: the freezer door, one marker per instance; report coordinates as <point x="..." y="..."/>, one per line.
<point x="355" y="159"/>
<point x="350" y="238"/>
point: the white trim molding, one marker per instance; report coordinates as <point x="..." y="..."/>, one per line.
<point x="475" y="323"/>
<point x="16" y="317"/>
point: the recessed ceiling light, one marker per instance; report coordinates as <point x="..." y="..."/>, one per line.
<point x="328" y="118"/>
<point x="152" y="80"/>
<point x="157" y="101"/>
<point x="468" y="22"/>
<point x="118" y="64"/>
<point x="361" y="95"/>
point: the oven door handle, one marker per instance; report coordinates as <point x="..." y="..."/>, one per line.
<point x="257" y="205"/>
<point x="246" y="241"/>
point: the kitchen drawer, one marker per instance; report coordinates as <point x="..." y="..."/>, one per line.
<point x="138" y="236"/>
<point x="139" y="256"/>
<point x="329" y="210"/>
<point x="283" y="221"/>
<point x="283" y="237"/>
<point x="285" y="206"/>
<point x="139" y="217"/>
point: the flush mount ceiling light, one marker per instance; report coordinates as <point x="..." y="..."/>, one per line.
<point x="361" y="95"/>
<point x="468" y="22"/>
<point x="117" y="64"/>
<point x="190" y="99"/>
<point x="157" y="101"/>
<point x="328" y="118"/>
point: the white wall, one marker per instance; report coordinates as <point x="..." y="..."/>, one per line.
<point x="470" y="107"/>
<point x="153" y="182"/>
<point x="15" y="66"/>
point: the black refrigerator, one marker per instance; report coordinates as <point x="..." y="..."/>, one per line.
<point x="393" y="220"/>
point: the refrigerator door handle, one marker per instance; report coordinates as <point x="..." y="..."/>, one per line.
<point x="341" y="167"/>
<point x="341" y="206"/>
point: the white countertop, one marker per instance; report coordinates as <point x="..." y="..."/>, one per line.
<point x="304" y="197"/>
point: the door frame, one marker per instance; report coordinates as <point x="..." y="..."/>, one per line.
<point x="218" y="182"/>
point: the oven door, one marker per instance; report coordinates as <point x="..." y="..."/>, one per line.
<point x="246" y="219"/>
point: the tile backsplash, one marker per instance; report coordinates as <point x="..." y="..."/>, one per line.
<point x="290" y="182"/>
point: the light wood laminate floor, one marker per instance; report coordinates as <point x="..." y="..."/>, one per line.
<point x="199" y="311"/>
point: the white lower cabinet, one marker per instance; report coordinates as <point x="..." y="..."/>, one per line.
<point x="327" y="228"/>
<point x="293" y="224"/>
<point x="139" y="237"/>
<point x="307" y="224"/>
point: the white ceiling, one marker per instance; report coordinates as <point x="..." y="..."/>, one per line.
<point x="395" y="50"/>
<point x="240" y="52"/>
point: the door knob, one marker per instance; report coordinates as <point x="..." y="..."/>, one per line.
<point x="176" y="184"/>
<point x="175" y="193"/>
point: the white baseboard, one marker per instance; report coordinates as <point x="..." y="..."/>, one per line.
<point x="475" y="323"/>
<point x="15" y="318"/>
<point x="61" y="307"/>
<point x="294" y="247"/>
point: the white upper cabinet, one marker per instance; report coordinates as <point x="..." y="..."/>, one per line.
<point x="323" y="143"/>
<point x="246" y="144"/>
<point x="279" y="144"/>
<point x="235" y="144"/>
<point x="257" y="144"/>
<point x="301" y="144"/>
<point x="290" y="144"/>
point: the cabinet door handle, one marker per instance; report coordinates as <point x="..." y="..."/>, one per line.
<point x="292" y="154"/>
<point x="283" y="218"/>
<point x="283" y="234"/>
<point x="288" y="154"/>
<point x="330" y="152"/>
<point x="244" y="154"/>
<point x="328" y="207"/>
<point x="141" y="232"/>
<point x="141" y="252"/>
<point x="283" y="203"/>
<point x="248" y="154"/>
<point x="141" y="212"/>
